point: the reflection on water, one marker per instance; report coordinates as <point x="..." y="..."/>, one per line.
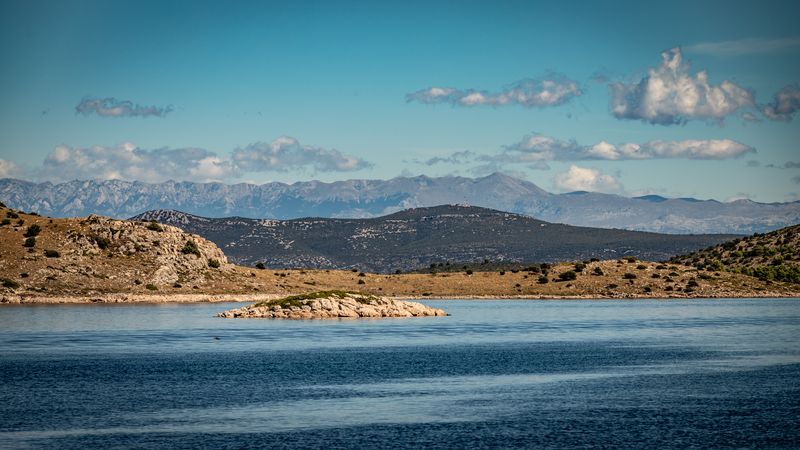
<point x="507" y="373"/>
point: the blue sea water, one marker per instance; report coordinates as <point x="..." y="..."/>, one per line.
<point x="494" y="374"/>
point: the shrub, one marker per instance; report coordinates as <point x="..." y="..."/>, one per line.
<point x="213" y="263"/>
<point x="668" y="288"/>
<point x="5" y="222"/>
<point x="612" y="286"/>
<point x="641" y="267"/>
<point x="353" y="270"/>
<point x="24" y="275"/>
<point x="655" y="275"/>
<point x="598" y="271"/>
<point x="648" y="289"/>
<point x="704" y="276"/>
<point x="629" y="276"/>
<point x="32" y="231"/>
<point x="594" y="260"/>
<point x="260" y="265"/>
<point x="361" y="282"/>
<point x="20" y="222"/>
<point x="190" y="248"/>
<point x="12" y="215"/>
<point x="154" y="226"/>
<point x="568" y="275"/>
<point x="11" y="284"/>
<point x="661" y="267"/>
<point x="2" y="205"/>
<point x="579" y="267"/>
<point x="52" y="254"/>
<point x="630" y="259"/>
<point x="543" y="280"/>
<point x="177" y="285"/>
<point x="30" y="242"/>
<point x="151" y="287"/>
<point x="468" y="272"/>
<point x="691" y="284"/>
<point x="502" y="272"/>
<point x="362" y="274"/>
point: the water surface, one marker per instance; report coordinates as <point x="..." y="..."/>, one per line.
<point x="493" y="374"/>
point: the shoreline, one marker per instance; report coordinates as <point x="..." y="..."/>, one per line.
<point x="149" y="299"/>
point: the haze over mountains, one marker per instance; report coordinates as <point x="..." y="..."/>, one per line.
<point x="372" y="198"/>
<point x="416" y="238"/>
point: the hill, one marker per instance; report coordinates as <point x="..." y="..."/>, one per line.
<point x="375" y="198"/>
<point x="770" y="256"/>
<point x="419" y="237"/>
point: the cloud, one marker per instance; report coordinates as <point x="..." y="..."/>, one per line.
<point x="459" y="157"/>
<point x="753" y="163"/>
<point x="8" y="169"/>
<point x="743" y="46"/>
<point x="128" y="162"/>
<point x="796" y="179"/>
<point x="785" y="104"/>
<point x="791" y="165"/>
<point x="537" y="147"/>
<point x="669" y="94"/>
<point x="586" y="179"/>
<point x="551" y="90"/>
<point x="111" y="107"/>
<point x="286" y="153"/>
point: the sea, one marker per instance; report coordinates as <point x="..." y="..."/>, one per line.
<point x="493" y="374"/>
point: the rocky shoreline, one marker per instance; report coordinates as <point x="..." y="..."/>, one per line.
<point x="332" y="305"/>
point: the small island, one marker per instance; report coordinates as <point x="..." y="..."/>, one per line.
<point x="331" y="305"/>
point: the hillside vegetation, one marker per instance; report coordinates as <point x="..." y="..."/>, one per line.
<point x="773" y="256"/>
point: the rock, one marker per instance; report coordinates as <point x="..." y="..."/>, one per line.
<point x="335" y="304"/>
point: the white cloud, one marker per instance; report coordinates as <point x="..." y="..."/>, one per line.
<point x="552" y="90"/>
<point x="8" y="169"/>
<point x="743" y="46"/>
<point x="111" y="107"/>
<point x="785" y="105"/>
<point x="128" y="162"/>
<point x="585" y="179"/>
<point x="669" y="94"/>
<point x="286" y="153"/>
<point x="538" y="147"/>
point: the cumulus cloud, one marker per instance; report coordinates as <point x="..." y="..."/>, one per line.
<point x="8" y="169"/>
<point x="286" y="153"/>
<point x="537" y="147"/>
<point x="669" y="94"/>
<point x="586" y="179"/>
<point x="129" y="162"/>
<point x="111" y="107"/>
<point x="551" y="90"/>
<point x="785" y="104"/>
<point x="743" y="46"/>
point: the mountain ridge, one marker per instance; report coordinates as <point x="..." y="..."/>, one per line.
<point x="374" y="198"/>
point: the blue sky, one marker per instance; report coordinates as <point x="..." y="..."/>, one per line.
<point x="291" y="91"/>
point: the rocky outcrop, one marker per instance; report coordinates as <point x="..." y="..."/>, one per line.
<point x="332" y="305"/>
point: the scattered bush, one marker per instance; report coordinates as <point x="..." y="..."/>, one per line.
<point x="594" y="260"/>
<point x="11" y="284"/>
<point x="655" y="275"/>
<point x="12" y="215"/>
<point x="502" y="272"/>
<point x="52" y="254"/>
<point x="260" y="265"/>
<point x="567" y="276"/>
<point x="704" y="276"/>
<point x="641" y="267"/>
<point x="579" y="267"/>
<point x="468" y="272"/>
<point x="630" y="259"/>
<point x="362" y="274"/>
<point x="30" y="242"/>
<point x="691" y="284"/>
<point x="5" y="222"/>
<point x="32" y="231"/>
<point x="151" y="287"/>
<point x="190" y="248"/>
<point x="598" y="271"/>
<point x="154" y="226"/>
<point x="648" y="289"/>
<point x="361" y="282"/>
<point x="668" y="288"/>
<point x="543" y="280"/>
<point x="20" y="222"/>
<point x="612" y="286"/>
<point x="2" y="205"/>
<point x="213" y="263"/>
<point x="629" y="276"/>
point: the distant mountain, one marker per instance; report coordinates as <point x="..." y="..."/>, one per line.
<point x="771" y="256"/>
<point x="373" y="198"/>
<point x="418" y="237"/>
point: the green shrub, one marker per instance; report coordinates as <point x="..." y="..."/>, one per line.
<point x="12" y="215"/>
<point x="691" y="284"/>
<point x="151" y="287"/>
<point x="543" y="280"/>
<point x="598" y="271"/>
<point x="52" y="254"/>
<point x="11" y="284"/>
<point x="612" y="286"/>
<point x="630" y="259"/>
<point x="30" y="242"/>
<point x="567" y="276"/>
<point x="361" y="282"/>
<point x="154" y="226"/>
<point x="5" y="222"/>
<point x="629" y="276"/>
<point x="641" y="267"/>
<point x="190" y="248"/>
<point x="260" y="265"/>
<point x="213" y="263"/>
<point x="33" y="230"/>
<point x="579" y="267"/>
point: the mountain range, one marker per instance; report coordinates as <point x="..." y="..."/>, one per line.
<point x="373" y="198"/>
<point x="418" y="237"/>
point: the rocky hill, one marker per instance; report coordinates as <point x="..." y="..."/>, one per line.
<point x="770" y="256"/>
<point x="97" y="254"/>
<point x="374" y="198"/>
<point x="419" y="237"/>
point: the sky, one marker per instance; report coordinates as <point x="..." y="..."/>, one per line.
<point x="680" y="99"/>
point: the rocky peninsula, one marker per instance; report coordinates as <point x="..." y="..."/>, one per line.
<point x="331" y="305"/>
